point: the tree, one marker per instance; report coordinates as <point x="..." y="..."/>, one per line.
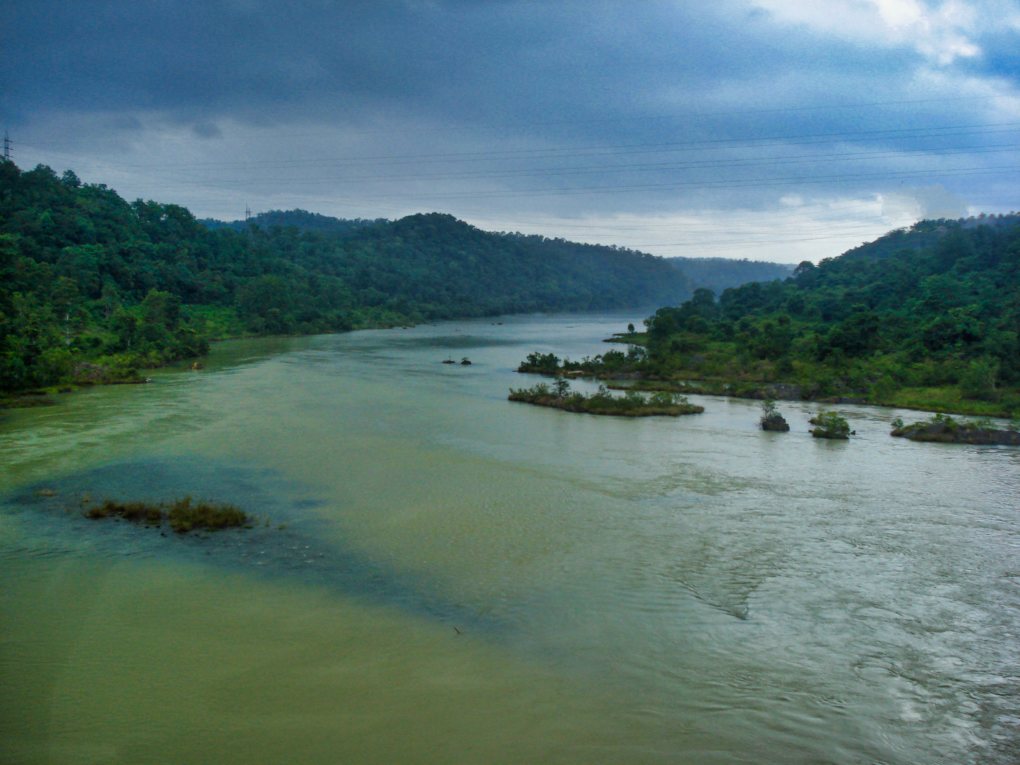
<point x="162" y="309"/>
<point x="978" y="381"/>
<point x="771" y="419"/>
<point x="264" y="304"/>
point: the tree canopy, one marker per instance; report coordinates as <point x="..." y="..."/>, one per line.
<point x="935" y="306"/>
<point x="94" y="286"/>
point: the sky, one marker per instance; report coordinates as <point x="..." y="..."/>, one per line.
<point x="779" y="130"/>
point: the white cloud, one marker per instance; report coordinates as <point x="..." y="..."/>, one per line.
<point x="795" y="229"/>
<point x="942" y="33"/>
<point x="924" y="202"/>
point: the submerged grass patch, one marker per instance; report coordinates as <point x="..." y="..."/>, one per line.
<point x="633" y="404"/>
<point x="182" y="515"/>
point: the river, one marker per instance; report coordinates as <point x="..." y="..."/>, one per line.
<point x="442" y="576"/>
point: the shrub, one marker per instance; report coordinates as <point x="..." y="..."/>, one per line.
<point x="978" y="380"/>
<point x="771" y="419"/>
<point x="830" y="425"/>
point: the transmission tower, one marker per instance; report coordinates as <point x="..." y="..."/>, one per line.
<point x="7" y="145"/>
<point x="247" y="213"/>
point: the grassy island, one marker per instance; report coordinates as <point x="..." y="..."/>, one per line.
<point x="632" y="404"/>
<point x="771" y="418"/>
<point x="182" y="515"/>
<point x="830" y="425"/>
<point x="946" y="430"/>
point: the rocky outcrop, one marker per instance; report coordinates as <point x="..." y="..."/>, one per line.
<point x="775" y="422"/>
<point x="947" y="431"/>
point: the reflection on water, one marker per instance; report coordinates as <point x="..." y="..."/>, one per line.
<point x="653" y="590"/>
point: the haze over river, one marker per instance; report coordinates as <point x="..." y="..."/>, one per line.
<point x="443" y="576"/>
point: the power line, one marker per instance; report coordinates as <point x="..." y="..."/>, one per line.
<point x="942" y="131"/>
<point x="680" y="185"/>
<point x="709" y="164"/>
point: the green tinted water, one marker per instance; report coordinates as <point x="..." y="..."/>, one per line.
<point x="463" y="579"/>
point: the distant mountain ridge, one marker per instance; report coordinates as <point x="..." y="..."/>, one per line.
<point x="302" y="220"/>
<point x="718" y="274"/>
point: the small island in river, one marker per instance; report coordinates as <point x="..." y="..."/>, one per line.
<point x="771" y="419"/>
<point x="631" y="404"/>
<point x="946" y="430"/>
<point x="830" y="425"/>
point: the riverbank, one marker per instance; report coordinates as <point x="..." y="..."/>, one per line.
<point x="941" y="400"/>
<point x="619" y="371"/>
<point x="631" y="574"/>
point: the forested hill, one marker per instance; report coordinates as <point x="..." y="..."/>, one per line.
<point x="718" y="274"/>
<point x="928" y="316"/>
<point x="92" y="286"/>
<point x="302" y="220"/>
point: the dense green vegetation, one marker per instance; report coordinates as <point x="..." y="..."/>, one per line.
<point x="631" y="404"/>
<point x="93" y="288"/>
<point x="302" y="220"/>
<point x="926" y="318"/>
<point x="830" y="425"/>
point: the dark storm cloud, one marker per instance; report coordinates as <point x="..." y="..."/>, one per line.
<point x="515" y="111"/>
<point x="468" y="62"/>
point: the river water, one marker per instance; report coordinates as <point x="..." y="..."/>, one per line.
<point x="440" y="575"/>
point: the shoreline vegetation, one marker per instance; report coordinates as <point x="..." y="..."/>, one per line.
<point x="602" y="402"/>
<point x="924" y="318"/>
<point x="94" y="288"/>
<point x="626" y="371"/>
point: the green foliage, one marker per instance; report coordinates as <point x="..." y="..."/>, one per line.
<point x="540" y="363"/>
<point x="667" y="398"/>
<point x="927" y="317"/>
<point x="302" y="220"/>
<point x="978" y="379"/>
<point x="631" y="404"/>
<point x="830" y="425"/>
<point x="85" y="275"/>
